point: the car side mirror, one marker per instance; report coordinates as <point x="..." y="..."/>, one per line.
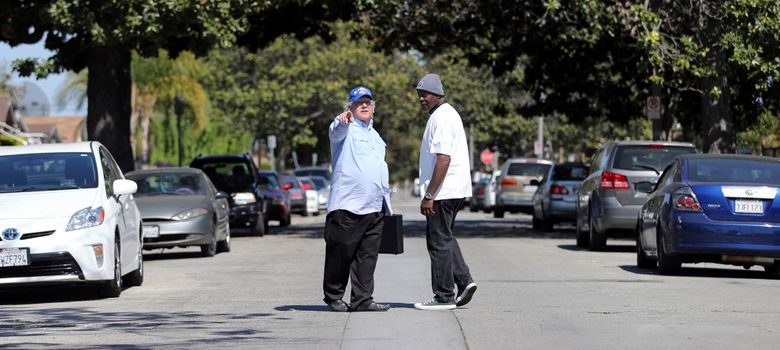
<point x="222" y="195"/>
<point x="644" y="187"/>
<point x="535" y="182"/>
<point x="123" y="186"/>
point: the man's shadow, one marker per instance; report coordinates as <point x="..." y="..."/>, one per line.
<point x="325" y="308"/>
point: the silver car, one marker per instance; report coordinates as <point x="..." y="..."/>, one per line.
<point x="323" y="188"/>
<point x="555" y="199"/>
<point x="607" y="201"/>
<point x="181" y="207"/>
<point x="515" y="191"/>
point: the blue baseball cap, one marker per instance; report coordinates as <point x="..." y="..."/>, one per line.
<point x="359" y="92"/>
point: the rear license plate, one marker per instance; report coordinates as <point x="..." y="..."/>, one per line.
<point x="748" y="206"/>
<point x="14" y="257"/>
<point x="151" y="231"/>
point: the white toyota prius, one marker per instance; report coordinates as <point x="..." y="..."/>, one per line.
<point x="67" y="215"/>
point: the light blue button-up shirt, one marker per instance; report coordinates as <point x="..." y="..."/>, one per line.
<point x="360" y="176"/>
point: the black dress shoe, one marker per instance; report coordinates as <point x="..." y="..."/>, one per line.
<point x="374" y="307"/>
<point x="338" y="306"/>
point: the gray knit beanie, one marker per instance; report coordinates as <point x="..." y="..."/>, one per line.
<point x="431" y="83"/>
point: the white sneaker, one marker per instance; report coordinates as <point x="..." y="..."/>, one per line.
<point x="466" y="295"/>
<point x="434" y="304"/>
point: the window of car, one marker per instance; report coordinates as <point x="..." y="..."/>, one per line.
<point x="569" y="172"/>
<point x="271" y="181"/>
<point x="292" y="181"/>
<point x="597" y="161"/>
<point x="668" y="176"/>
<point x="527" y="169"/>
<point x="47" y="171"/>
<point x="229" y="176"/>
<point x="647" y="157"/>
<point x="734" y="171"/>
<point x="169" y="184"/>
<point x="109" y="174"/>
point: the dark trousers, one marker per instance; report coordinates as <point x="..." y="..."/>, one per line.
<point x="448" y="269"/>
<point x="351" y="249"/>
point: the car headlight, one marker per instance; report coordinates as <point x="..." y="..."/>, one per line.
<point x="243" y="198"/>
<point x="86" y="218"/>
<point x="189" y="214"/>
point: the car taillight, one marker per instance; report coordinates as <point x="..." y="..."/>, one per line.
<point x="656" y="146"/>
<point x="480" y="191"/>
<point x="684" y="199"/>
<point x="558" y="189"/>
<point x="296" y="195"/>
<point x="509" y="182"/>
<point x="612" y="180"/>
<point x="306" y="187"/>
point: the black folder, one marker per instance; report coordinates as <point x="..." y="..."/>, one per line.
<point x="392" y="235"/>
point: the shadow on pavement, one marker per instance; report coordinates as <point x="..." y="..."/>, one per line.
<point x="204" y="327"/>
<point x="707" y="272"/>
<point x="325" y="308"/>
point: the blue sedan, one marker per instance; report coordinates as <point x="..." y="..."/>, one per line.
<point x="711" y="208"/>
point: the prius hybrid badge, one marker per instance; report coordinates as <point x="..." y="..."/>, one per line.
<point x="11" y="234"/>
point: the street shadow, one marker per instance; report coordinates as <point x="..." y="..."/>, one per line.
<point x="210" y="329"/>
<point x="162" y="254"/>
<point x="625" y="246"/>
<point x="55" y="293"/>
<point x="325" y="308"/>
<point x="706" y="272"/>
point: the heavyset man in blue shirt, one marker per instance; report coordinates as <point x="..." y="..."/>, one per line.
<point x="359" y="196"/>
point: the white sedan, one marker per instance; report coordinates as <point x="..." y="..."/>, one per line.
<point x="68" y="215"/>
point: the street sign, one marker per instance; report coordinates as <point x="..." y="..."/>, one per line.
<point x="653" y="107"/>
<point x="486" y="157"/>
<point x="538" y="149"/>
<point x="271" y="141"/>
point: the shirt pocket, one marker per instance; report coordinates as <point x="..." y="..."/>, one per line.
<point x="362" y="145"/>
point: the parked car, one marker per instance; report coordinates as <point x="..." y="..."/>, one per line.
<point x="556" y="197"/>
<point x="607" y="202"/>
<point x="68" y="216"/>
<point x="312" y="195"/>
<point x="416" y="187"/>
<point x="279" y="206"/>
<point x="298" y="198"/>
<point x="237" y="176"/>
<point x="479" y="194"/>
<point x="181" y="207"/>
<point x="711" y="208"/>
<point x="515" y="192"/>
<point x="323" y="189"/>
<point x="313" y="171"/>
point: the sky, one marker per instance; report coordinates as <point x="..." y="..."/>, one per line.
<point x="50" y="86"/>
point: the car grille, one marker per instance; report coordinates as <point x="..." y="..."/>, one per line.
<point x="49" y="264"/>
<point x="166" y="238"/>
<point x="36" y="234"/>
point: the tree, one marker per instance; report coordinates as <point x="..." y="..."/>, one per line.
<point x="100" y="36"/>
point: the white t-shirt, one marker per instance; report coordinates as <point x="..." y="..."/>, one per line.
<point x="444" y="134"/>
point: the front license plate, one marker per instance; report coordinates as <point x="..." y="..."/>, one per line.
<point x="151" y="231"/>
<point x="748" y="206"/>
<point x="14" y="257"/>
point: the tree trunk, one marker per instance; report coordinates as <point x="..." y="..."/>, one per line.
<point x="108" y="112"/>
<point x="717" y="121"/>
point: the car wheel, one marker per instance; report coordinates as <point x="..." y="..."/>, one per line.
<point x="113" y="287"/>
<point x="498" y="213"/>
<point x="642" y="261"/>
<point x="473" y="208"/>
<point x="210" y="249"/>
<point x="136" y="278"/>
<point x="546" y="223"/>
<point x="596" y="240"/>
<point x="668" y="264"/>
<point x="259" y="229"/>
<point x="773" y="269"/>
<point x="536" y="223"/>
<point x="223" y="246"/>
<point x="285" y="220"/>
<point x="582" y="238"/>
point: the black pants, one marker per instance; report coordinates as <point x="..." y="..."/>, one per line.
<point x="351" y="248"/>
<point x="448" y="269"/>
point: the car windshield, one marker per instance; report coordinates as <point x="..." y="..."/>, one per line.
<point x="229" y="176"/>
<point x="313" y="172"/>
<point x="270" y="181"/>
<point x="47" y="172"/>
<point x="649" y="157"/>
<point x="734" y="171"/>
<point x="527" y="169"/>
<point x="570" y="172"/>
<point x="169" y="184"/>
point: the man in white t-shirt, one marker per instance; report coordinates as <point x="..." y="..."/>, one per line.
<point x="445" y="182"/>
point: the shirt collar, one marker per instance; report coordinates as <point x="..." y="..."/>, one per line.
<point x="435" y="108"/>
<point x="364" y="125"/>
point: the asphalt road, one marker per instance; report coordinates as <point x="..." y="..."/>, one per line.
<point x="536" y="291"/>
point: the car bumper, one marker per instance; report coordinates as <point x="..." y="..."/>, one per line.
<point x="694" y="233"/>
<point x="617" y="216"/>
<point x="277" y="212"/>
<point x="196" y="231"/>
<point x="244" y="215"/>
<point x="62" y="257"/>
<point x="560" y="209"/>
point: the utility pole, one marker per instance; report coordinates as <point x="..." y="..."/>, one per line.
<point x="178" y="108"/>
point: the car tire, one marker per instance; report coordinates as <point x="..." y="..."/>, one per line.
<point x="223" y="246"/>
<point x="547" y="223"/>
<point x="136" y="278"/>
<point x="259" y="228"/>
<point x="498" y="213"/>
<point x="668" y="264"/>
<point x="113" y="287"/>
<point x="536" y="223"/>
<point x="582" y="238"/>
<point x="597" y="241"/>
<point x="285" y="221"/>
<point x="772" y="270"/>
<point x="473" y="208"/>
<point x="642" y="261"/>
<point x="210" y="249"/>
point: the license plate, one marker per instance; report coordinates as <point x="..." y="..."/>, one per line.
<point x="151" y="231"/>
<point x="529" y="189"/>
<point x="748" y="206"/>
<point x="14" y="257"/>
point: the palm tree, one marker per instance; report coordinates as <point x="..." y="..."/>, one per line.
<point x="74" y="88"/>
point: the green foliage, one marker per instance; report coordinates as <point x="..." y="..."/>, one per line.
<point x="762" y="134"/>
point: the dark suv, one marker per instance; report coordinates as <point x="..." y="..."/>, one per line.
<point x="237" y="175"/>
<point x="607" y="200"/>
